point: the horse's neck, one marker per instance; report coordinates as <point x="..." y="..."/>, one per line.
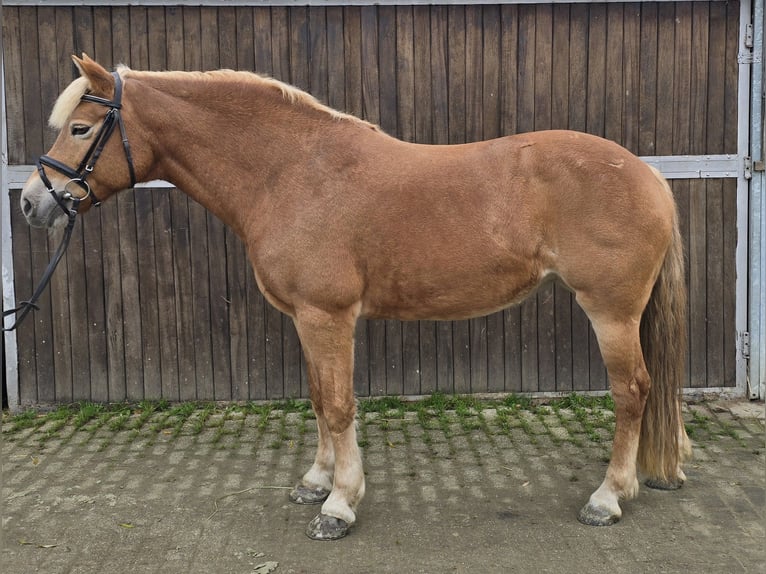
<point x="226" y="153"/>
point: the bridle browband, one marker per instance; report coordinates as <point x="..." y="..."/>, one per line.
<point x="79" y="177"/>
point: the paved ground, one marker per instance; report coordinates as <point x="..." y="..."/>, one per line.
<point x="481" y="491"/>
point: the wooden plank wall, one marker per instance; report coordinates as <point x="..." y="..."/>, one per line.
<point x="156" y="299"/>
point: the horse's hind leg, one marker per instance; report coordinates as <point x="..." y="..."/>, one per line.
<point x="328" y="344"/>
<point x="620" y="346"/>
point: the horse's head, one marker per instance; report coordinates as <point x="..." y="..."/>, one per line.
<point x="86" y="165"/>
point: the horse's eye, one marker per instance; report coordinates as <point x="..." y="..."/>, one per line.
<point x="79" y="129"/>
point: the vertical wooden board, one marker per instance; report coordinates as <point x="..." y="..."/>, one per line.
<point x="596" y="86"/>
<point x="477" y="360"/>
<point x="560" y="67"/>
<point x="513" y="349"/>
<point x="280" y="43"/>
<point x="716" y="216"/>
<point x="227" y="37"/>
<point x="682" y="80"/>
<point x="291" y="357"/>
<point x="439" y="75"/>
<point x="525" y="76"/>
<point x="369" y="65"/>
<point x="578" y="66"/>
<point x="174" y="37"/>
<point x="491" y="114"/>
<point x="336" y="68"/>
<point x="697" y="259"/>
<point x="166" y="304"/>
<point x="562" y="302"/>
<point x="387" y="87"/>
<point x="256" y="340"/>
<point x="457" y="112"/>
<point x="299" y="47"/>
<point x="183" y="295"/>
<point x="352" y="53"/>
<point x="198" y="237"/>
<point x="245" y="33"/>
<point x="649" y="78"/>
<point x="146" y="264"/>
<point x="14" y="101"/>
<point x="714" y="271"/>
<point x="59" y="285"/>
<point x="139" y="37"/>
<point x="33" y="120"/>
<point x="126" y="257"/>
<point x="546" y="303"/>
<point x="77" y="285"/>
<point x="405" y="114"/>
<point x="149" y="301"/>
<point x="220" y="339"/>
<point x="699" y="77"/>
<point x="525" y="112"/>
<point x="94" y="321"/>
<point x="579" y="19"/>
<point x="262" y="31"/>
<point x="445" y="372"/>
<point x="456" y="78"/>
<point x="156" y="39"/>
<point x="716" y="91"/>
<point x="422" y="126"/>
<point x="405" y="73"/>
<point x="376" y="337"/>
<point x="731" y="76"/>
<point x="631" y="75"/>
<point x="614" y="73"/>
<point x="387" y="59"/>
<point x="318" y="83"/>
<point x="110" y="242"/>
<point x="23" y="283"/>
<point x="681" y="191"/>
<point x="665" y="78"/>
<point x="509" y="57"/>
<point x="275" y="378"/>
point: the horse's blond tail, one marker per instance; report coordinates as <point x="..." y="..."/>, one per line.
<point x="663" y="445"/>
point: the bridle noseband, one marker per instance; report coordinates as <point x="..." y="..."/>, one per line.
<point x="78" y="176"/>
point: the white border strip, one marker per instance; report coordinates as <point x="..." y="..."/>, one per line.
<point x="672" y="167"/>
<point x="221" y="3"/>
<point x="11" y="365"/>
<point x="743" y="198"/>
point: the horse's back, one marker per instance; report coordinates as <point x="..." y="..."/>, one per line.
<point x="467" y="230"/>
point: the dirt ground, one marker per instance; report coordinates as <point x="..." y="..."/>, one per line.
<point x="495" y="488"/>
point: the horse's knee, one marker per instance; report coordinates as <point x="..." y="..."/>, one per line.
<point x="339" y="415"/>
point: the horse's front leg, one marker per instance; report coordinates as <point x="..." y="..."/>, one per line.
<point x="328" y="344"/>
<point x="316" y="484"/>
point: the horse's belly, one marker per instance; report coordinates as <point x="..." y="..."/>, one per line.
<point x="453" y="297"/>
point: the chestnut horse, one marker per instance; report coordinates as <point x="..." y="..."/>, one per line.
<point x="342" y="221"/>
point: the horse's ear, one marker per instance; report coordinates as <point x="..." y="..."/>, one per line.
<point x="101" y="81"/>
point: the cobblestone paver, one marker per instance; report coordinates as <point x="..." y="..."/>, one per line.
<point x="491" y="488"/>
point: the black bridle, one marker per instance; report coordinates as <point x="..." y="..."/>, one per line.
<point x="78" y="176"/>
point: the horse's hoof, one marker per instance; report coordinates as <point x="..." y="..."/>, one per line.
<point x="595" y="516"/>
<point x="304" y="495"/>
<point x="659" y="484"/>
<point x="326" y="527"/>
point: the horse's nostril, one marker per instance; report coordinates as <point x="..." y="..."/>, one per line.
<point x="26" y="206"/>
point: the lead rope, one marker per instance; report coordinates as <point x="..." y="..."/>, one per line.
<point x="27" y="306"/>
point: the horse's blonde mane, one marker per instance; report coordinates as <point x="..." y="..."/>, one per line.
<point x="70" y="97"/>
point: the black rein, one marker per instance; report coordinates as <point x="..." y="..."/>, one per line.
<point x="78" y="176"/>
